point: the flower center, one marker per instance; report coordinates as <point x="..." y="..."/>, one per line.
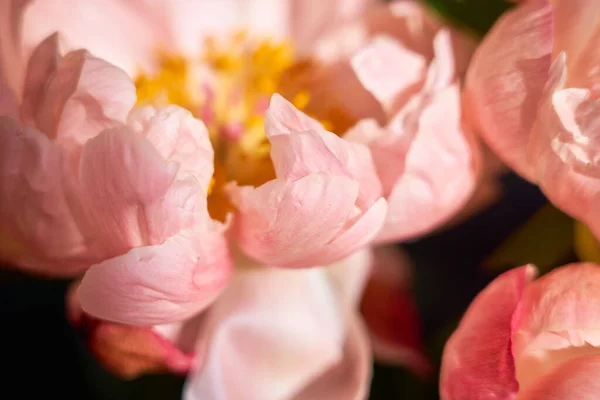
<point x="229" y="88"/>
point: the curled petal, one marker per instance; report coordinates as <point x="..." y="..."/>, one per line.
<point x="257" y="350"/>
<point x="478" y="361"/>
<point x="350" y="377"/>
<point x="84" y="96"/>
<point x="558" y="320"/>
<point x="506" y="79"/>
<point x="303" y="223"/>
<point x="158" y="284"/>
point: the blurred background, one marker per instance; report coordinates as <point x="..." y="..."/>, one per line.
<point x="43" y="356"/>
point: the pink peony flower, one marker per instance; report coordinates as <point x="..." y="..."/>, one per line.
<point x="339" y="162"/>
<point x="527" y="340"/>
<point x="533" y="86"/>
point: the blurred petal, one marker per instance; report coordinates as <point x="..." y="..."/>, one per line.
<point x="506" y="79"/>
<point x="275" y="331"/>
<point x="558" y="320"/>
<point x="349" y="277"/>
<point x="130" y="42"/>
<point x="350" y="377"/>
<point x="391" y="314"/>
<point x="478" y="361"/>
<point x="159" y="284"/>
<point x="574" y="380"/>
<point x="12" y="61"/>
<point x="84" y="96"/>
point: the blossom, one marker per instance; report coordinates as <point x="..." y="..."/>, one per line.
<point x="527" y="339"/>
<point x="533" y="86"/>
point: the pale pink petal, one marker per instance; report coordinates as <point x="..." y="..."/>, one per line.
<point x="439" y="173"/>
<point x="85" y="95"/>
<point x="563" y="148"/>
<point x="40" y="204"/>
<point x="159" y="284"/>
<point x="300" y="146"/>
<point x="506" y="78"/>
<point x="350" y="378"/>
<point x="478" y="361"/>
<point x="349" y="277"/>
<point x="311" y="19"/>
<point x="178" y="137"/>
<point x="8" y="101"/>
<point x="290" y="223"/>
<point x="558" y="320"/>
<point x="42" y="64"/>
<point x="12" y="59"/>
<point x="388" y="70"/>
<point x="574" y="380"/>
<point x="114" y="30"/>
<point x="123" y="178"/>
<point x="274" y="332"/>
<point x="390" y="312"/>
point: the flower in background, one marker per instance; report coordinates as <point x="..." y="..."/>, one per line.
<point x="400" y="164"/>
<point x="528" y="339"/>
<point x="533" y="86"/>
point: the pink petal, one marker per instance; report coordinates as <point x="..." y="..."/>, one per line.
<point x="563" y="147"/>
<point x="159" y="284"/>
<point x="506" y="78"/>
<point x="178" y="137"/>
<point x="126" y="351"/>
<point x="130" y="42"/>
<point x="349" y="379"/>
<point x="43" y="62"/>
<point x="85" y="96"/>
<point x="477" y="361"/>
<point x="390" y="313"/>
<point x="424" y="197"/>
<point x="257" y="351"/>
<point x="12" y="61"/>
<point x="388" y="70"/>
<point x="300" y="146"/>
<point x="574" y="380"/>
<point x="349" y="277"/>
<point x="558" y="320"/>
<point x="40" y="204"/>
<point x="311" y="19"/>
<point x="290" y="223"/>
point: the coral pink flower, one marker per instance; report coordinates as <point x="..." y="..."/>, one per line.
<point x="534" y="86"/>
<point x="528" y="340"/>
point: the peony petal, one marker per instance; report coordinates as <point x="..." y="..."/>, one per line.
<point x="130" y="43"/>
<point x="40" y="203"/>
<point x="178" y="137"/>
<point x="558" y="320"/>
<point x="390" y="313"/>
<point x="42" y="64"/>
<point x="439" y="174"/>
<point x="477" y="361"/>
<point x="574" y="380"/>
<point x="258" y="350"/>
<point x="349" y="277"/>
<point x="506" y="78"/>
<point x="289" y="223"/>
<point x="159" y="284"/>
<point x="349" y="379"/>
<point x="12" y="61"/>
<point x="388" y="70"/>
<point x="85" y="96"/>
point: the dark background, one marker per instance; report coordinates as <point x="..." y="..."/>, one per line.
<point x="43" y="356"/>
